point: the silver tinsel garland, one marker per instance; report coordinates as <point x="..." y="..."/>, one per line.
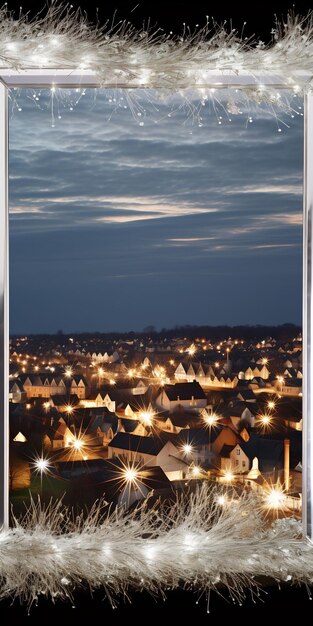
<point x="200" y="541"/>
<point x="118" y="53"/>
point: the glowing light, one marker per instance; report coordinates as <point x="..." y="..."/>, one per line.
<point x="100" y="371"/>
<point x="46" y="405"/>
<point x="276" y="498"/>
<point x="41" y="465"/>
<point x="146" y="417"/>
<point x="196" y="471"/>
<point x="69" y="409"/>
<point x="28" y="406"/>
<point x="187" y="448"/>
<point x="221" y="500"/>
<point x="77" y="444"/>
<point x="280" y="379"/>
<point x="130" y="474"/>
<point x="265" y="420"/>
<point x="229" y="476"/>
<point x="216" y="364"/>
<point x="131" y="373"/>
<point x="191" y="350"/>
<point x="211" y="420"/>
<point x="112" y="381"/>
<point x="264" y="361"/>
<point x="68" y="372"/>
<point x="271" y="404"/>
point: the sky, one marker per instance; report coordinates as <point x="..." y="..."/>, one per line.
<point x="131" y="211"/>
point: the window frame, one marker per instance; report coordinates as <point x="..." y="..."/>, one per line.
<point x="67" y="78"/>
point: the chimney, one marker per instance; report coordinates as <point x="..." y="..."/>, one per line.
<point x="287" y="464"/>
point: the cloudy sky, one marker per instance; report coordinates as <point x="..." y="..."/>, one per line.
<point x="125" y="214"/>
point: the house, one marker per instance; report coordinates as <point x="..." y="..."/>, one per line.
<point x="190" y="396"/>
<point x="288" y="386"/>
<point x="103" y="426"/>
<point x="78" y="386"/>
<point x="246" y="395"/>
<point x="148" y="452"/>
<point x="234" y="459"/>
<point x="225" y="436"/>
<point x="178" y="420"/>
<point x="19" y="438"/>
<point x="108" y="476"/>
<point x="205" y="375"/>
<point x="269" y="452"/>
<point x="132" y="426"/>
<point x="200" y="441"/>
<point x="60" y="435"/>
<point x="128" y="408"/>
<point x="239" y="412"/>
<point x="289" y="411"/>
<point x="16" y="392"/>
<point x="126" y="388"/>
<point x="47" y="385"/>
<point x="43" y="385"/>
<point x="61" y="403"/>
<point x="257" y="383"/>
<point x="252" y="372"/>
<point x="100" y="399"/>
<point x="188" y="372"/>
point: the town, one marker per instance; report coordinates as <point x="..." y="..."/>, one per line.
<point x="120" y="417"/>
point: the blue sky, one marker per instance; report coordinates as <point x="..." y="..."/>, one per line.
<point x="120" y="220"/>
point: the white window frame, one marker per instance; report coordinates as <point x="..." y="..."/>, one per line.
<point x="83" y="78"/>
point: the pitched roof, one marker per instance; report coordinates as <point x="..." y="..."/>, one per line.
<point x="16" y="382"/>
<point x="198" y="436"/>
<point x="136" y="443"/>
<point x="182" y="419"/>
<point x="226" y="450"/>
<point x="107" y="472"/>
<point x="129" y="425"/>
<point x="246" y="394"/>
<point x="63" y="400"/>
<point x="270" y="452"/>
<point x="293" y="382"/>
<point x="184" y="391"/>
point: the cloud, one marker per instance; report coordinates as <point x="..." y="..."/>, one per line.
<point x="181" y="213"/>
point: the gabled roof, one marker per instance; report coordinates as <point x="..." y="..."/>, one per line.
<point x="198" y="436"/>
<point x="182" y="419"/>
<point x="246" y="394"/>
<point x="129" y="425"/>
<point x="270" y="452"/>
<point x="103" y="422"/>
<point x="184" y="391"/>
<point x="16" y="382"/>
<point x="293" y="382"/>
<point x="58" y="430"/>
<point x="136" y="443"/>
<point x="63" y="400"/>
<point x="226" y="450"/>
<point x="107" y="472"/>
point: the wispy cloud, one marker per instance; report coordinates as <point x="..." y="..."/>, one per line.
<point x="168" y="218"/>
